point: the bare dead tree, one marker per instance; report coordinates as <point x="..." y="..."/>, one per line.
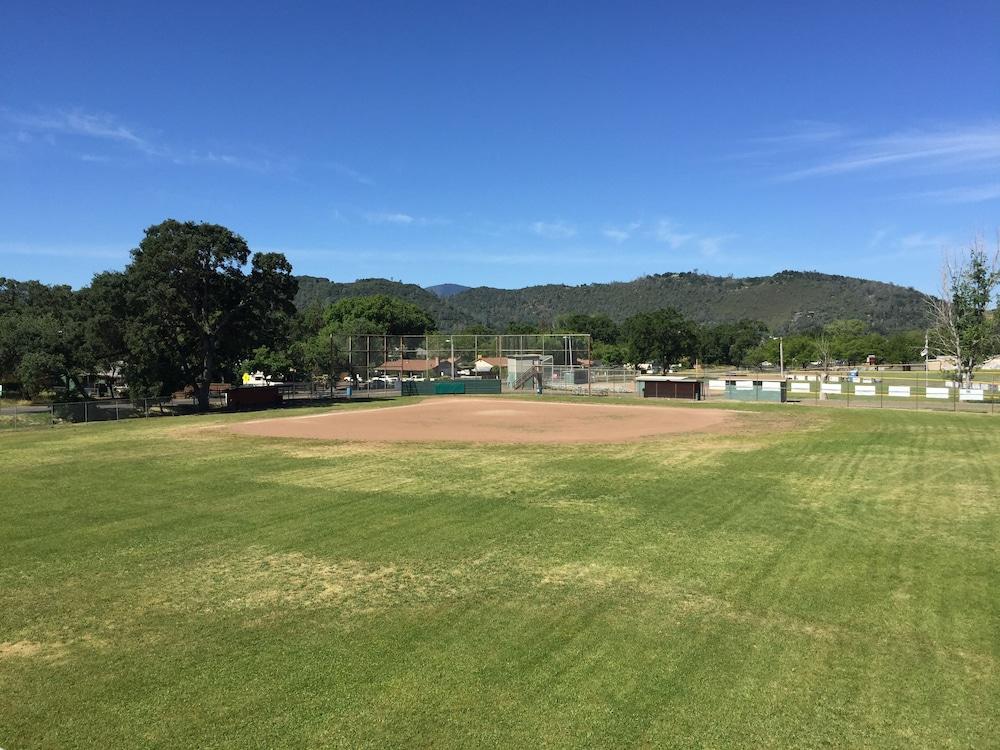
<point x="825" y="351"/>
<point x="963" y="327"/>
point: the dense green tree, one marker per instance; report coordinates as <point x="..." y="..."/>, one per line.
<point x="275" y="364"/>
<point x="663" y="337"/>
<point x="729" y="343"/>
<point x="515" y="328"/>
<point x="600" y="327"/>
<point x="610" y="355"/>
<point x="476" y="330"/>
<point x="41" y="338"/>
<point x="852" y="341"/>
<point x="102" y="310"/>
<point x="903" y="347"/>
<point x="378" y="313"/>
<point x="195" y="308"/>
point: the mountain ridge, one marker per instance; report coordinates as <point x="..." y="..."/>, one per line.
<point x="447" y="290"/>
<point x="787" y="301"/>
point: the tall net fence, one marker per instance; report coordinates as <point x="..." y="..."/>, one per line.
<point x="519" y="362"/>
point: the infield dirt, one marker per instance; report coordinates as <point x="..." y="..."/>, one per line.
<point x="486" y="420"/>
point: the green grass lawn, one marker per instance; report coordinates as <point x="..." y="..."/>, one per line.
<point x="818" y="578"/>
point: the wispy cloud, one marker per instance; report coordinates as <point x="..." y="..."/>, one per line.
<point x="966" y="194"/>
<point x="385" y="217"/>
<point x="554" y="230"/>
<point x="65" y="251"/>
<point x="77" y="122"/>
<point x="351" y="173"/>
<point x="887" y="244"/>
<point x="804" y="133"/>
<point x="922" y="240"/>
<point x="711" y="246"/>
<point x="399" y="218"/>
<point x="106" y="128"/>
<point x="946" y="149"/>
<point x="621" y="233"/>
<point x="667" y="232"/>
<point x="596" y="257"/>
<point x="878" y="236"/>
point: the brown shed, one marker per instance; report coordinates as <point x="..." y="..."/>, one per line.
<point x="254" y="396"/>
<point x="662" y="386"/>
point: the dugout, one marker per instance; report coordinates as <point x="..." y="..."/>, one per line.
<point x="664" y="386"/>
<point x="254" y="396"/>
<point x="757" y="390"/>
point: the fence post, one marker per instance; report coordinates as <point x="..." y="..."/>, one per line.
<point x="15" y="416"/>
<point x="52" y="415"/>
<point x="117" y="417"/>
<point x="86" y="417"/>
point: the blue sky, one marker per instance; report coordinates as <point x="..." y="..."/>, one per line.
<point x="504" y="144"/>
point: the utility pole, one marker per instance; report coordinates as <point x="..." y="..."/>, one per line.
<point x="781" y="354"/>
<point x="926" y="353"/>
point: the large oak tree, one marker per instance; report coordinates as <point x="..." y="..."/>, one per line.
<point x="199" y="302"/>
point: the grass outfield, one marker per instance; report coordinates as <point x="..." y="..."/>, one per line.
<point x="818" y="578"/>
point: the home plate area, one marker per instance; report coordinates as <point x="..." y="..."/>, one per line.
<point x="492" y="420"/>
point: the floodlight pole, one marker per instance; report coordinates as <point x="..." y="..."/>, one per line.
<point x="927" y="353"/>
<point x="781" y="354"/>
<point x="590" y="363"/>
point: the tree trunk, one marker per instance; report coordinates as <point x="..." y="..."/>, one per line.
<point x="202" y="390"/>
<point x="72" y="379"/>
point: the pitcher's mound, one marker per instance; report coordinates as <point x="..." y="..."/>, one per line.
<point x="483" y="420"/>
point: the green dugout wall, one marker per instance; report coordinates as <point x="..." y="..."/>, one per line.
<point x="448" y="387"/>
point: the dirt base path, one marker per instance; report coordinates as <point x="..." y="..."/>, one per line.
<point x="484" y="420"/>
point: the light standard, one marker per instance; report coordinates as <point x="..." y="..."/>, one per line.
<point x="927" y="353"/>
<point x="449" y="341"/>
<point x="781" y="353"/>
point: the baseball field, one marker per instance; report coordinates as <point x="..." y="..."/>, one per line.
<point x="410" y="575"/>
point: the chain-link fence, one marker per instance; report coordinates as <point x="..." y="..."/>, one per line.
<point x="25" y="416"/>
<point x="17" y="415"/>
<point x="878" y="389"/>
<point x="376" y="360"/>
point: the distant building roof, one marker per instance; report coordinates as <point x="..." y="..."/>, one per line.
<point x="668" y="378"/>
<point x="408" y="365"/>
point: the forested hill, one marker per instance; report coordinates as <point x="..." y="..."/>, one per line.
<point x="786" y="301"/>
<point x="448" y="290"/>
<point x="314" y="289"/>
